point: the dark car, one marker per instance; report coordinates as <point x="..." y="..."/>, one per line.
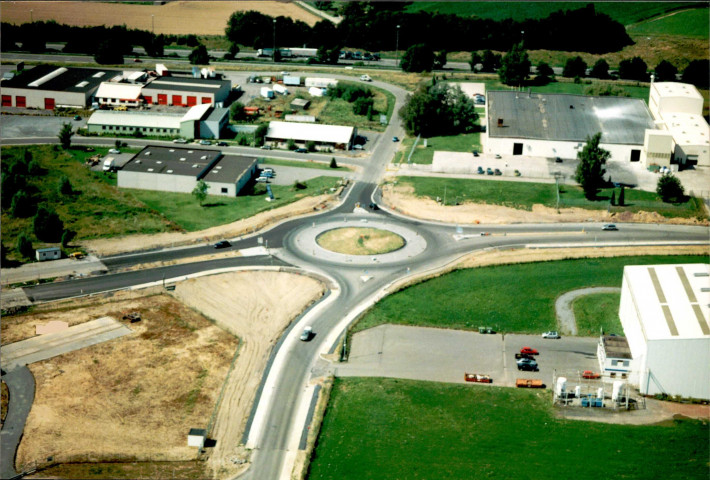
<point x="77" y="117"/>
<point x="222" y="244"/>
<point x="395" y="139"/>
<point x="301" y="150"/>
<point x="475" y="153"/>
<point x="558" y="160"/>
<point x="222" y="144"/>
<point x="527" y="364"/>
<point x="489" y="171"/>
<point x="497" y="172"/>
<point x="480" y="171"/>
<point x="373" y="206"/>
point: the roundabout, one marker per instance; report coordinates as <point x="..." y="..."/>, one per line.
<point x="360" y="241"/>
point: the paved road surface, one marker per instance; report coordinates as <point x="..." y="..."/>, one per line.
<point x="21" y="387"/>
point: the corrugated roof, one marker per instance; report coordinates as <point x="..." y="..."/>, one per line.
<point x="119" y="90"/>
<point x="196" y="112"/>
<point x="572" y="118"/>
<point x="310" y="132"/>
<point x="185" y="84"/>
<point x="135" y="119"/>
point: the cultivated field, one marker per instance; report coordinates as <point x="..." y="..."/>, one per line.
<point x="177" y="18"/>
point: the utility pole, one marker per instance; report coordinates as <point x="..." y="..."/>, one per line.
<point x="396" y="49"/>
<point x="273" y="52"/>
<point x="152" y="24"/>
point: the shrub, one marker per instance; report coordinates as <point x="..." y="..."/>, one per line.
<point x="21" y="206"/>
<point x="333" y="163"/>
<point x="669" y="188"/>
<point x="47" y="224"/>
<point x="291" y="145"/>
<point x="24" y="245"/>
<point x="298" y="185"/>
<point x="311" y="146"/>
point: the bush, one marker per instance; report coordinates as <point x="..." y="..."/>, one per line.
<point x="21" y="206"/>
<point x="65" y="187"/>
<point x="298" y="185"/>
<point x="311" y="146"/>
<point x="363" y="105"/>
<point x="333" y="163"/>
<point x="47" y="224"/>
<point x="24" y="246"/>
<point x="291" y="145"/>
<point x="670" y="189"/>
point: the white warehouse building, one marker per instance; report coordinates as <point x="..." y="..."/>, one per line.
<point x="323" y="136"/>
<point x="665" y="313"/>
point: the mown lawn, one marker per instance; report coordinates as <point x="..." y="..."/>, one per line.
<point x="596" y="311"/>
<point x="183" y="209"/>
<point x="454" y="143"/>
<point x="690" y="23"/>
<point x="510" y="298"/>
<point x="381" y="428"/>
<point x="523" y="195"/>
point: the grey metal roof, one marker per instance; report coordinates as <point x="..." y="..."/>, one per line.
<point x="217" y="114"/>
<point x="562" y="117"/>
<point x="229" y="169"/>
<point x="203" y="85"/>
<point x="60" y="79"/>
<point x="173" y="160"/>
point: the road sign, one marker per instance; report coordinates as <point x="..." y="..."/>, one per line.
<point x="268" y="190"/>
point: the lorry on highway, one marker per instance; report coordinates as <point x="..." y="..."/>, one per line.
<point x="529" y="383"/>
<point x="268" y="52"/>
<point x="477" y="378"/>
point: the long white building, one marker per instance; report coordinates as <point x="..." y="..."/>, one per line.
<point x="665" y="313"/>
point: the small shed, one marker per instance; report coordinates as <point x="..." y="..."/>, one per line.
<point x="196" y="437"/>
<point x="50" y="253"/>
<point x="300" y="103"/>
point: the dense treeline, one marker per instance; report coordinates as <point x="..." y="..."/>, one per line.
<point x="373" y="26"/>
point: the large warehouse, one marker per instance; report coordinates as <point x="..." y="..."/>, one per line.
<point x="47" y="86"/>
<point x="558" y="125"/>
<point x="665" y="313"/>
<point x="178" y="170"/>
<point x="185" y="91"/>
<point x="324" y="136"/>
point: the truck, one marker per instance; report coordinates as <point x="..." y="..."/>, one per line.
<point x="109" y="164"/>
<point x="529" y="383"/>
<point x="266" y="92"/>
<point x="278" y="88"/>
<point x="303" y="52"/>
<point x="477" y="378"/>
<point x="268" y="52"/>
<point x="320" y="82"/>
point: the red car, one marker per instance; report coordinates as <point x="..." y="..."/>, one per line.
<point x="590" y="375"/>
<point x="528" y="351"/>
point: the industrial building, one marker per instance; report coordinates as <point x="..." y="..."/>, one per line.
<point x="324" y="136"/>
<point x="114" y="94"/>
<point x="677" y="109"/>
<point x="178" y="170"/>
<point x="47" y="87"/>
<point x="665" y="313"/>
<point x="558" y="125"/>
<point x="201" y="121"/>
<point x="185" y="91"/>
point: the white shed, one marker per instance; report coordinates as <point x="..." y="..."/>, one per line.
<point x="196" y="437"/>
<point x="50" y="253"/>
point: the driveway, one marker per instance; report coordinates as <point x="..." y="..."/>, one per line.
<point x="442" y="355"/>
<point x="26" y="126"/>
<point x="21" y="387"/>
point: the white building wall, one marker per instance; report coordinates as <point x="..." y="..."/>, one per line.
<point x="657" y="148"/>
<point x="551" y="149"/>
<point x="678" y="367"/>
<point x="163" y="182"/>
<point x="699" y="153"/>
<point x="215" y="188"/>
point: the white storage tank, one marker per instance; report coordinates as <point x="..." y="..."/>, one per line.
<point x="600" y="392"/>
<point x="616" y="390"/>
<point x="577" y="391"/>
<point x="561" y="387"/>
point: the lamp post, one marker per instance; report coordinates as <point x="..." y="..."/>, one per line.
<point x="396" y="49"/>
<point x="152" y="23"/>
<point x="273" y="52"/>
<point x="32" y="19"/>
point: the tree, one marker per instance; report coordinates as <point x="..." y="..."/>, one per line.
<point x="200" y="191"/>
<point x="634" y="69"/>
<point x="489" y="61"/>
<point x="236" y="111"/>
<point x="622" y="197"/>
<point x="514" y="67"/>
<point x="613" y="198"/>
<point x="590" y="171"/>
<point x="233" y="51"/>
<point x="109" y="53"/>
<point x="65" y="187"/>
<point x="291" y="144"/>
<point x="418" y="58"/>
<point x="362" y="104"/>
<point x="311" y="146"/>
<point x="199" y="56"/>
<point x="544" y="69"/>
<point x="574" y="67"/>
<point x="333" y="163"/>
<point x="665" y="71"/>
<point x="440" y="60"/>
<point x="24" y="245"/>
<point x="192" y="41"/>
<point x="698" y="73"/>
<point x="67" y="237"/>
<point x="21" y="206"/>
<point x="600" y="69"/>
<point x="475" y="60"/>
<point x="439" y="110"/>
<point x="328" y="56"/>
<point x="260" y="134"/>
<point x="669" y="188"/>
<point x="47" y="224"/>
<point x="64" y="135"/>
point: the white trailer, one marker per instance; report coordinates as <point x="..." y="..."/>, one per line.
<point x="266" y="92"/>
<point x="278" y="88"/>
<point x="316" y="91"/>
<point x="321" y="82"/>
<point x="292" y="80"/>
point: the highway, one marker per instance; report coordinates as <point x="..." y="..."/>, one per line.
<point x="278" y="420"/>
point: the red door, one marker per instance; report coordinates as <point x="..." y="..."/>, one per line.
<point x="177" y="99"/>
<point x="191" y="101"/>
<point x="7" y="100"/>
<point x="49" y="104"/>
<point x="162" y="99"/>
<point x="20" y="101"/>
<point x="148" y="100"/>
<point x="206" y="100"/>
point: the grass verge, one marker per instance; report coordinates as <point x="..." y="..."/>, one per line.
<point x="360" y="241"/>
<point x="523" y="195"/>
<point x="455" y="143"/>
<point x="597" y="311"/>
<point x="194" y="470"/>
<point x="390" y="428"/>
<point x="512" y="298"/>
<point x="298" y="164"/>
<point x="183" y="210"/>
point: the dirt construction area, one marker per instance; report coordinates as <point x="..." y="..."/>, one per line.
<point x="136" y="397"/>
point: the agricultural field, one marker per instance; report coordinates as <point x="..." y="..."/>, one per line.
<point x="688" y="23"/>
<point x="390" y="428"/>
<point x="176" y="18"/>
<point x="486" y="293"/>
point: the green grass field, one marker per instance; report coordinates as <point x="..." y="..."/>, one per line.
<point x="183" y="210"/>
<point x="339" y="112"/>
<point x="523" y="195"/>
<point x="595" y="311"/>
<point x="689" y="23"/>
<point x="295" y="163"/>
<point x="455" y="143"/>
<point x="510" y="298"/>
<point x="624" y="12"/>
<point x="379" y="428"/>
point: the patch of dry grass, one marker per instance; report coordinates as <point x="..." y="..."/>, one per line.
<point x="360" y="241"/>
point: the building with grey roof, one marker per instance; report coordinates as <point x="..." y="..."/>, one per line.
<point x="172" y="169"/>
<point x="186" y="91"/>
<point x="558" y="125"/>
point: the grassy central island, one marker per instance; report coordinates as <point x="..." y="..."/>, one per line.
<point x="360" y="241"/>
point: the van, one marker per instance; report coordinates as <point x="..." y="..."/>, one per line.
<point x="365" y="78"/>
<point x="109" y="164"/>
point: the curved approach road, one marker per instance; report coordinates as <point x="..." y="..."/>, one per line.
<point x="563" y="306"/>
<point x="279" y="419"/>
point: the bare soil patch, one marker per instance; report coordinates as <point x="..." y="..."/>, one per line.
<point x="182" y="18"/>
<point x="402" y="198"/>
<point x="257" y="307"/>
<point x="5" y="394"/>
<point x="360" y="241"/>
<point x="129" y="399"/>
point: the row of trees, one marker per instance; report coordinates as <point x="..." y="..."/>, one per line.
<point x="439" y="109"/>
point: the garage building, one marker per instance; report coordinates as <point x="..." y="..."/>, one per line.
<point x="324" y="136"/>
<point x="178" y="170"/>
<point x="558" y="125"/>
<point x="665" y="313"/>
<point x="47" y="87"/>
<point x="186" y="92"/>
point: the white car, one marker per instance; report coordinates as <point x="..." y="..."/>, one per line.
<point x="307" y="333"/>
<point x="609" y="226"/>
<point x="365" y="78"/>
<point x="550" y="335"/>
<point x="179" y="140"/>
<point x="114" y="151"/>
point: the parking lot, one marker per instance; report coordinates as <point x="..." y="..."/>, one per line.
<point x="441" y="355"/>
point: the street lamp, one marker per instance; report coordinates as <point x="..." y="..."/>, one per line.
<point x="522" y="38"/>
<point x="152" y="23"/>
<point x="273" y="52"/>
<point x="396" y="49"/>
<point x="31" y="16"/>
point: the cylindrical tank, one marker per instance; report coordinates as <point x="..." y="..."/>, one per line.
<point x="600" y="392"/>
<point x="577" y="391"/>
<point x="561" y="386"/>
<point x="616" y="390"/>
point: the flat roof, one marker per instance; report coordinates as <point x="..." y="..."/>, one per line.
<point x="217" y="114"/>
<point x="687" y="128"/>
<point x="135" y="119"/>
<point x="204" y="85"/>
<point x="173" y="160"/>
<point x="197" y="112"/>
<point x="66" y="79"/>
<point x="673" y="301"/>
<point x="229" y="169"/>
<point x="119" y="90"/>
<point x="616" y="347"/>
<point x="570" y="118"/>
<point x="677" y="89"/>
<point x="310" y="132"/>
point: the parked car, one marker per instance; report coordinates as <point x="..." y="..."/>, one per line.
<point x="475" y="153"/>
<point x="497" y="155"/>
<point x="497" y="172"/>
<point x="550" y="335"/>
<point x="179" y="140"/>
<point x="357" y="147"/>
<point x="590" y="375"/>
<point x="516" y="173"/>
<point x="222" y="144"/>
<point x="527" y="364"/>
<point x="222" y="244"/>
<point x="114" y="151"/>
<point x="77" y="117"/>
<point x="395" y="139"/>
<point x="301" y="150"/>
<point x="306" y="334"/>
<point x="609" y="226"/>
<point x="489" y="171"/>
<point x="558" y="160"/>
<point x="262" y="179"/>
<point x="373" y="206"/>
<point x="529" y="351"/>
<point x="480" y="171"/>
<point x="265" y="147"/>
